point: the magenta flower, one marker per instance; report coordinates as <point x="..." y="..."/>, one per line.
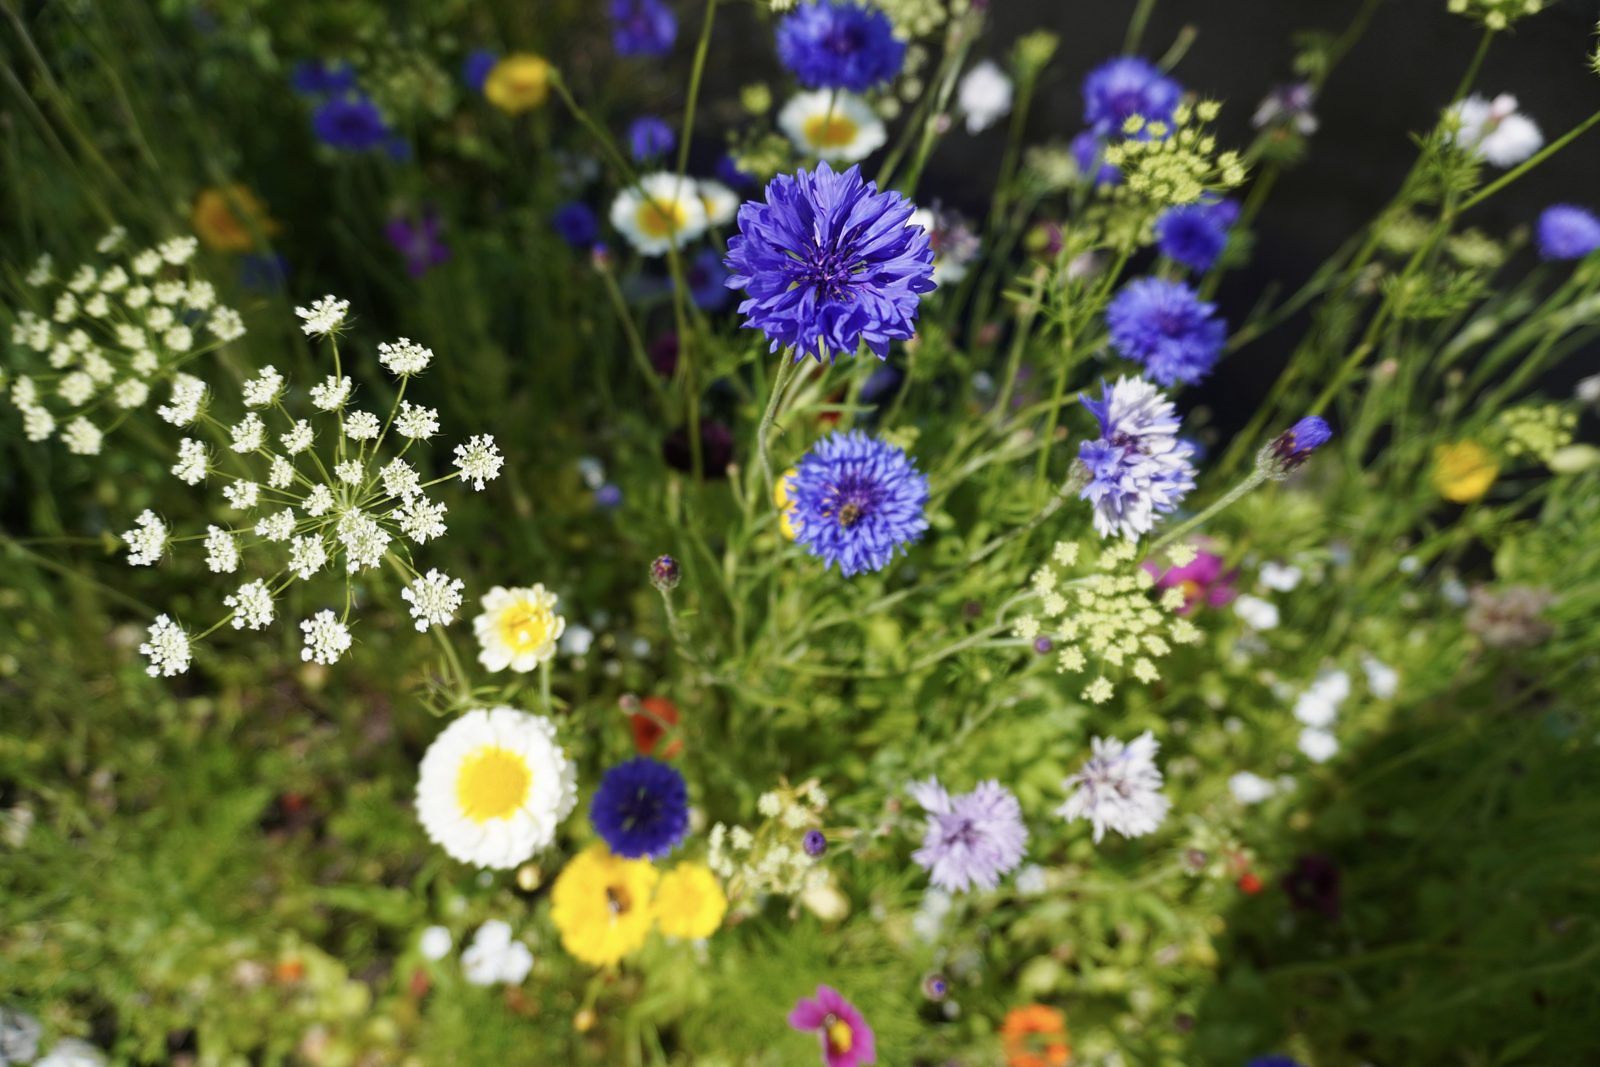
<point x="1203" y="581"/>
<point x="846" y="1038"/>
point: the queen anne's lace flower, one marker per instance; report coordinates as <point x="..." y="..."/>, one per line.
<point x="479" y="461"/>
<point x="404" y="357"/>
<point x="324" y="316"/>
<point x="147" y="540"/>
<point x="252" y="605"/>
<point x="326" y="638"/>
<point x="434" y="598"/>
<point x="167" y="648"/>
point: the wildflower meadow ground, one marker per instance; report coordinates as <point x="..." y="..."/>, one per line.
<point x="751" y="533"/>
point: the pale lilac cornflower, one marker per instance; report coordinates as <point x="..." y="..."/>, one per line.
<point x="972" y="838"/>
<point x="1119" y="788"/>
<point x="1138" y="467"/>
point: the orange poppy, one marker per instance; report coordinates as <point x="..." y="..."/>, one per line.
<point x="1036" y="1036"/>
<point x="228" y="219"/>
<point x="656" y="717"/>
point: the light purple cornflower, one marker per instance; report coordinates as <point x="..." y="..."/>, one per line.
<point x="1138" y="467"/>
<point x="1119" y="788"/>
<point x="972" y="838"/>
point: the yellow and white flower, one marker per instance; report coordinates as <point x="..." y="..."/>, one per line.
<point x="519" y="628"/>
<point x="721" y="203"/>
<point x="494" y="786"/>
<point x="662" y="210"/>
<point x="836" y="126"/>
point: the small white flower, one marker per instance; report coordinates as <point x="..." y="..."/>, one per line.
<point x="400" y="479"/>
<point x="264" y="388"/>
<point x="297" y="438"/>
<point x="1587" y="390"/>
<point x="188" y="393"/>
<point x="1248" y="788"/>
<point x="1257" y="614"/>
<point x="278" y="527"/>
<point x="82" y="437"/>
<point x="159" y="319"/>
<point x="281" y="474"/>
<point x="1382" y="679"/>
<point x="331" y="394"/>
<point x="37" y="424"/>
<point x="114" y="280"/>
<point x="167" y="649"/>
<point x="1280" y="577"/>
<point x="1318" y="744"/>
<point x="226" y="324"/>
<point x="98" y="367"/>
<point x="147" y="262"/>
<point x="326" y="638"/>
<point x="76" y="388"/>
<point x="351" y="472"/>
<point x="137" y="297"/>
<point x="200" y="296"/>
<point x="39" y="273"/>
<point x="434" y="598"/>
<point x="661" y="211"/>
<point x="24" y="393"/>
<point x="404" y="357"/>
<point x="1119" y="788"/>
<point x="418" y="423"/>
<point x="178" y="250"/>
<point x="97" y="306"/>
<point x="222" y="552"/>
<point x="363" y="539"/>
<point x="984" y="96"/>
<point x="1319" y="704"/>
<point x="307" y="555"/>
<point x="167" y="292"/>
<point x="493" y="957"/>
<point x="111" y="241"/>
<point x="249" y="433"/>
<point x="318" y="502"/>
<point x="721" y="203"/>
<point x="82" y="279"/>
<point x="577" y="640"/>
<point x="252" y="605"/>
<point x="66" y="308"/>
<point x="478" y="461"/>
<point x="421" y="519"/>
<point x="1031" y="880"/>
<point x="435" y="943"/>
<point x="362" y="426"/>
<point x="323" y="316"/>
<point x="132" y="337"/>
<point x="1495" y="131"/>
<point x="72" y="1052"/>
<point x="147" y="540"/>
<point x="241" y="495"/>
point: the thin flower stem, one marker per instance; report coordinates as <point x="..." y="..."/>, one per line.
<point x="1255" y="479"/>
<point x="635" y="342"/>
<point x="1136" y="25"/>
<point x="1532" y="161"/>
<point x="768" y="417"/>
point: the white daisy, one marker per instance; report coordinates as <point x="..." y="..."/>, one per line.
<point x="1119" y="788"/>
<point x="662" y="210"/>
<point x="1495" y="130"/>
<point x="494" y="786"/>
<point x="721" y="203"/>
<point x="519" y="628"/>
<point x="833" y="126"/>
<point x="495" y="957"/>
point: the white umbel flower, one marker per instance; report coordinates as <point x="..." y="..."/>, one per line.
<point x="1318" y="706"/>
<point x="82" y="437"/>
<point x="226" y="324"/>
<point x="264" y="388"/>
<point x="362" y="426"/>
<point x="984" y="96"/>
<point x="494" y="786"/>
<point x="326" y="638"/>
<point x="222" y="551"/>
<point x="1319" y="745"/>
<point x="836" y="126"/>
<point x="494" y="957"/>
<point x="1119" y="788"/>
<point x="167" y="648"/>
<point x="1258" y="614"/>
<point x="147" y="540"/>
<point x="1495" y="130"/>
<point x="434" y="598"/>
<point x="519" y="628"/>
<point x="662" y="210"/>
<point x="331" y="394"/>
<point x="307" y="554"/>
<point x="418" y="423"/>
<point x="249" y="433"/>
<point x="479" y="461"/>
<point x="323" y="316"/>
<point x="252" y="605"/>
<point x="241" y="495"/>
<point x="404" y="357"/>
<point x="188" y="392"/>
<point x="421" y="519"/>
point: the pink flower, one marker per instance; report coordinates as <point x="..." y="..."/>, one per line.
<point x="1202" y="580"/>
<point x="846" y="1038"/>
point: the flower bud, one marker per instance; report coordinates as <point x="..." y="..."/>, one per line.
<point x="1293" y="447"/>
<point x="664" y="573"/>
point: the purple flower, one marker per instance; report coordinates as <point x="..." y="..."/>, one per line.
<point x="708" y="280"/>
<point x="814" y="843"/>
<point x="1568" y="232"/>
<point x="1165" y="326"/>
<point x="1138" y="467"/>
<point x="418" y="241"/>
<point x="1273" y="1061"/>
<point x="313" y="77"/>
<point x="1088" y="152"/>
<point x="1289" y="105"/>
<point x="832" y="44"/>
<point x="1195" y="234"/>
<point x="352" y="123"/>
<point x="856" y="501"/>
<point x="1127" y="85"/>
<point x="641" y="808"/>
<point x="649" y="137"/>
<point x="1202" y="580"/>
<point x="972" y="838"/>
<point x="847" y="1040"/>
<point x="828" y="263"/>
<point x="575" y="221"/>
<point x="642" y="27"/>
<point x="476" y="66"/>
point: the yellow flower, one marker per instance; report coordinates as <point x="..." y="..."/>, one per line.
<point x="229" y="220"/>
<point x="1463" y="471"/>
<point x="780" y="498"/>
<point x="517" y="83"/>
<point x="689" y="902"/>
<point x="601" y="904"/>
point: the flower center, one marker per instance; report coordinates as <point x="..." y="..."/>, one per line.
<point x="841" y="1038"/>
<point x="524" y="627"/>
<point x="618" y="900"/>
<point x="657" y="219"/>
<point x="830" y="130"/>
<point x="492" y="783"/>
<point x="641" y="809"/>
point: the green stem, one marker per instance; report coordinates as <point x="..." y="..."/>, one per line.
<point x="1136" y="25"/>
<point x="1532" y="161"/>
<point x="1226" y="500"/>
<point x="770" y="415"/>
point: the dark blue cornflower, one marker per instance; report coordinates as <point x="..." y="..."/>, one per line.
<point x="1168" y="328"/>
<point x="476" y="67"/>
<point x="575" y="221"/>
<point x="1294" y="446"/>
<point x="833" y="44"/>
<point x="728" y="172"/>
<point x="1138" y="467"/>
<point x="641" y="808"/>
<point x="856" y="500"/>
<point x="828" y="263"/>
<point x="708" y="280"/>
<point x="1195" y="234"/>
<point x="1088" y="152"/>
<point x="1127" y="85"/>
<point x="313" y="77"/>
<point x="649" y="137"/>
<point x="352" y="123"/>
<point x="642" y="27"/>
<point x="608" y="497"/>
<point x="1568" y="232"/>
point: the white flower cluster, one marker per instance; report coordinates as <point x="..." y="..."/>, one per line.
<point x="339" y="491"/>
<point x="772" y="859"/>
<point x="94" y="342"/>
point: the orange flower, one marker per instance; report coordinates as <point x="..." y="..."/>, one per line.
<point x="228" y="220"/>
<point x="656" y="716"/>
<point x="1036" y="1036"/>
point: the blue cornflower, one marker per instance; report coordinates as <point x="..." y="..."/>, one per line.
<point x="832" y="44"/>
<point x="856" y="500"/>
<point x="1138" y="467"/>
<point x="1195" y="234"/>
<point x="577" y="224"/>
<point x="972" y="838"/>
<point x="708" y="280"/>
<point x="1088" y="152"/>
<point x="313" y="77"/>
<point x="642" y="27"/>
<point x="1127" y="85"/>
<point x="828" y="263"/>
<point x="728" y="172"/>
<point x="1294" y="446"/>
<point x="350" y="122"/>
<point x="1168" y="328"/>
<point x="649" y="137"/>
<point x="1568" y="232"/>
<point x="476" y="67"/>
<point x="641" y="808"/>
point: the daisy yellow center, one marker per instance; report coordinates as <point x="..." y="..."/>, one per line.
<point x="841" y="1038"/>
<point x="524" y="627"/>
<point x="492" y="783"/>
<point x="656" y="218"/>
<point x="830" y="130"/>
